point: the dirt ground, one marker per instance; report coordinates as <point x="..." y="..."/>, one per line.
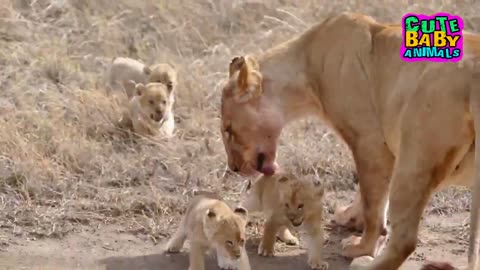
<point x="78" y="193"/>
<point x="442" y="238"/>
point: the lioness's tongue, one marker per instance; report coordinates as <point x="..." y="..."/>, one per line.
<point x="269" y="169"/>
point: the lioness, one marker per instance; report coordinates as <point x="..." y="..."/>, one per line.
<point x="150" y="111"/>
<point x="411" y="127"/>
<point x="288" y="201"/>
<point x="210" y="223"/>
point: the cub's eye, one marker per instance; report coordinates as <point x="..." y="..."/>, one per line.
<point x="164" y="102"/>
<point x="169" y="85"/>
<point x="230" y="243"/>
<point x="151" y="102"/>
<point x="287" y="205"/>
<point x="241" y="242"/>
<point x="300" y="206"/>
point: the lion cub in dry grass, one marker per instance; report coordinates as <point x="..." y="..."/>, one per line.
<point x="122" y="70"/>
<point x="150" y="111"/>
<point x="210" y="223"/>
<point x="287" y="202"/>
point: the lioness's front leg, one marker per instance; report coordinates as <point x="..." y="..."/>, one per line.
<point x="315" y="242"/>
<point x="374" y="163"/>
<point x="270" y="230"/>
<point x="422" y="164"/>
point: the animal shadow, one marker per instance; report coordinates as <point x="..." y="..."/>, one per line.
<point x="292" y="258"/>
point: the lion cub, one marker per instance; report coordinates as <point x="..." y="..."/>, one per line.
<point x="150" y="111"/>
<point x="210" y="223"/>
<point x="287" y="202"/>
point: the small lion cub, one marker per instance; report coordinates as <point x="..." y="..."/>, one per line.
<point x="287" y="202"/>
<point x="149" y="112"/>
<point x="210" y="223"/>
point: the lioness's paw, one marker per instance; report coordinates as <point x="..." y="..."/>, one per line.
<point x="353" y="247"/>
<point x="265" y="251"/>
<point x="317" y="263"/>
<point x="291" y="240"/>
<point x="360" y="263"/>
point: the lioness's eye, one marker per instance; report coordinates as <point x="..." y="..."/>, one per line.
<point x="241" y="242"/>
<point x="230" y="243"/>
<point x="300" y="206"/>
<point x="286" y="205"/>
<point x="151" y="102"/>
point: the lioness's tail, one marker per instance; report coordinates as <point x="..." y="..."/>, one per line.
<point x="474" y="249"/>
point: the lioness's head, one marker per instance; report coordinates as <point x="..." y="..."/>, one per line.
<point x="154" y="100"/>
<point x="162" y="73"/>
<point x="249" y="128"/>
<point x="226" y="229"/>
<point x="297" y="197"/>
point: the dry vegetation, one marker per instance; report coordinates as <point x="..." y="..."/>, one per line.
<point x="64" y="165"/>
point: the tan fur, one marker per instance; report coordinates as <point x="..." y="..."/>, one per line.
<point x="124" y="69"/>
<point x="411" y="127"/>
<point x="210" y="223"/>
<point x="287" y="202"/>
<point x="150" y="111"/>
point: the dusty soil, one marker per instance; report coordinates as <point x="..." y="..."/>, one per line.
<point x="76" y="191"/>
<point x="108" y="247"/>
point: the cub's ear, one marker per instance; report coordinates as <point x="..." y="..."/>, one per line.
<point x="169" y="86"/>
<point x="211" y="213"/>
<point x="241" y="211"/>
<point x="249" y="80"/>
<point x="141" y="88"/>
<point x="319" y="191"/>
<point x="129" y="86"/>
<point x="235" y="64"/>
<point x="147" y="70"/>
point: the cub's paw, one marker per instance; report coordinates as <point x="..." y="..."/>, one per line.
<point x="173" y="247"/>
<point x="317" y="263"/>
<point x="265" y="251"/>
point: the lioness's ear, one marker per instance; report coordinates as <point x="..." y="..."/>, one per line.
<point x="239" y="210"/>
<point x="140" y="87"/>
<point x="147" y="70"/>
<point x="211" y="213"/>
<point x="249" y="81"/>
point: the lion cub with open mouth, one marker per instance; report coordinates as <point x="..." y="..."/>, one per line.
<point x="210" y="223"/>
<point x="287" y="202"/>
<point x="149" y="111"/>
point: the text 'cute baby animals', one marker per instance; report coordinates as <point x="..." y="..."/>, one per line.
<point x="436" y="38"/>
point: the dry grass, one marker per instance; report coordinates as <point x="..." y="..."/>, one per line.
<point x="64" y="164"/>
